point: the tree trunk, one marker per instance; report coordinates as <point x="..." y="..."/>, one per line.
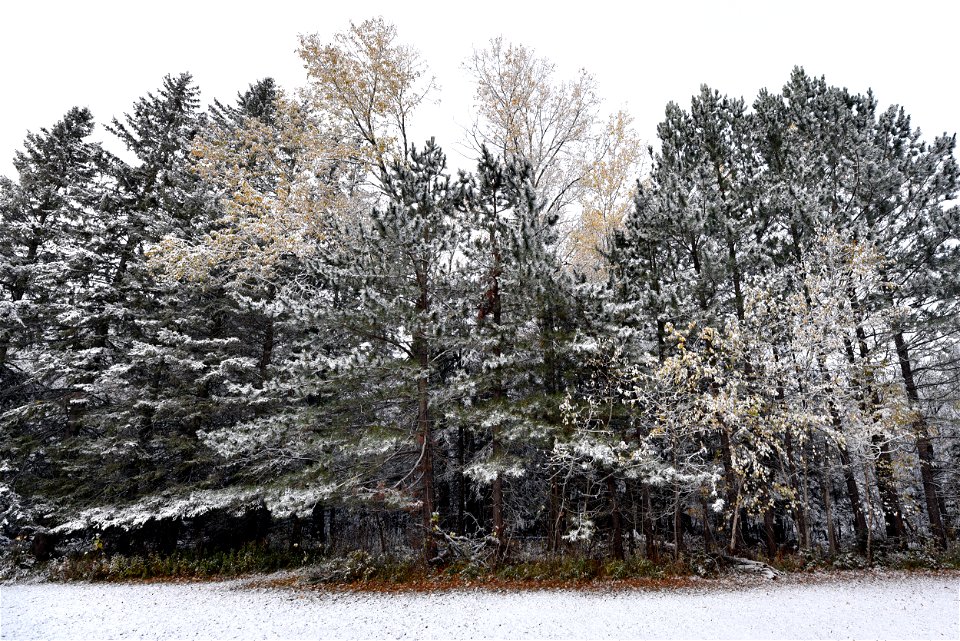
<point x="426" y="467"/>
<point x="332" y="524"/>
<point x="853" y="495"/>
<point x="730" y="477"/>
<point x="266" y="350"/>
<point x="677" y="524"/>
<point x="493" y="306"/>
<point x="825" y="486"/>
<point x="647" y="518"/>
<point x="617" y="528"/>
<point x="319" y="525"/>
<point x="770" y="532"/>
<point x="708" y="542"/>
<point x="806" y="499"/>
<point x="889" y="499"/>
<point x="799" y="516"/>
<point x="678" y="541"/>
<point x="556" y="517"/>
<point x="732" y="548"/>
<point x="461" y="483"/>
<point x="498" y="529"/>
<point x="924" y="445"/>
<point x="860" y="527"/>
<point x="870" y="400"/>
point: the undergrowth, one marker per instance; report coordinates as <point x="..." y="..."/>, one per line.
<point x="252" y="558"/>
<point x="359" y="567"/>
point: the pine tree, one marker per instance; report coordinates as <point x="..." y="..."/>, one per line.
<point x="513" y="355"/>
<point x="57" y="266"/>
<point x="380" y="315"/>
<point x="841" y="165"/>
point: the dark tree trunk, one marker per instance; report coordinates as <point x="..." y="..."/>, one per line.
<point x="461" y="483"/>
<point x="870" y="400"/>
<point x="557" y="517"/>
<point x="266" y="350"/>
<point x="647" y="518"/>
<point x="853" y="494"/>
<point x="729" y="477"/>
<point x="799" y="513"/>
<point x="491" y="310"/>
<point x="889" y="499"/>
<point x="677" y="525"/>
<point x="924" y="445"/>
<point x="617" y="528"/>
<point x="332" y="524"/>
<point x="425" y="440"/>
<point x="498" y="529"/>
<point x="296" y="532"/>
<point x="319" y="525"/>
<point x="825" y="486"/>
<point x="708" y="541"/>
<point x="770" y="533"/>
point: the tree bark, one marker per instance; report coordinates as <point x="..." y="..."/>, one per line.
<point x="492" y="306"/>
<point x="924" y="445"/>
<point x="708" y="542"/>
<point x="853" y="493"/>
<point x="799" y="515"/>
<point x="461" y="483"/>
<point x="677" y="524"/>
<point x="828" y="509"/>
<point x="870" y="400"/>
<point x="730" y="477"/>
<point x="498" y="529"/>
<point x="426" y="467"/>
<point x="266" y="351"/>
<point x="648" y="531"/>
<point x="889" y="499"/>
<point x="556" y="517"/>
<point x="617" y="528"/>
<point x="770" y="532"/>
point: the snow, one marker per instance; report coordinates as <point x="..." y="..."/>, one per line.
<point x="889" y="606"/>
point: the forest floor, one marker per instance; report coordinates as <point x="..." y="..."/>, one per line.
<point x="849" y="605"/>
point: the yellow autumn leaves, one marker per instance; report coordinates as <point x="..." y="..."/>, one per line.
<point x="279" y="184"/>
<point x="283" y="182"/>
<point x="608" y="190"/>
<point x="583" y="170"/>
<point x="368" y="82"/>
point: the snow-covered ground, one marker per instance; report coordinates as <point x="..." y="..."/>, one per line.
<point x="892" y="606"/>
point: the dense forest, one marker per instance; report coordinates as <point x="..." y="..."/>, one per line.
<point x="280" y="319"/>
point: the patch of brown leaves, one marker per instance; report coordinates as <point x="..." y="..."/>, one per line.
<point x="445" y="583"/>
<point x="438" y="582"/>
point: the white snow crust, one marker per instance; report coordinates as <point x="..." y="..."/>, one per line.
<point x="891" y="606"/>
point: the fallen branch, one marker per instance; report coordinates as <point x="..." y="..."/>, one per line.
<point x="740" y="564"/>
<point x="473" y="550"/>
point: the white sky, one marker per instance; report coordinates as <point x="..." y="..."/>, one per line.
<point x="104" y="55"/>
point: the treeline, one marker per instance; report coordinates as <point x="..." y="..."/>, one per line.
<point x="284" y="307"/>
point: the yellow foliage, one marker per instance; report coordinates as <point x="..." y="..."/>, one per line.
<point x="368" y="83"/>
<point x="522" y="111"/>
<point x="281" y="186"/>
<point x="608" y="190"/>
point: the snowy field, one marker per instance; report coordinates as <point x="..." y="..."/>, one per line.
<point x="874" y="607"/>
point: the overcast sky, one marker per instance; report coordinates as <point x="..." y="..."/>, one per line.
<point x="104" y="55"/>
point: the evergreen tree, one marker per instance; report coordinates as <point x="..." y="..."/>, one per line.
<point x="57" y="269"/>
<point x="513" y="355"/>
